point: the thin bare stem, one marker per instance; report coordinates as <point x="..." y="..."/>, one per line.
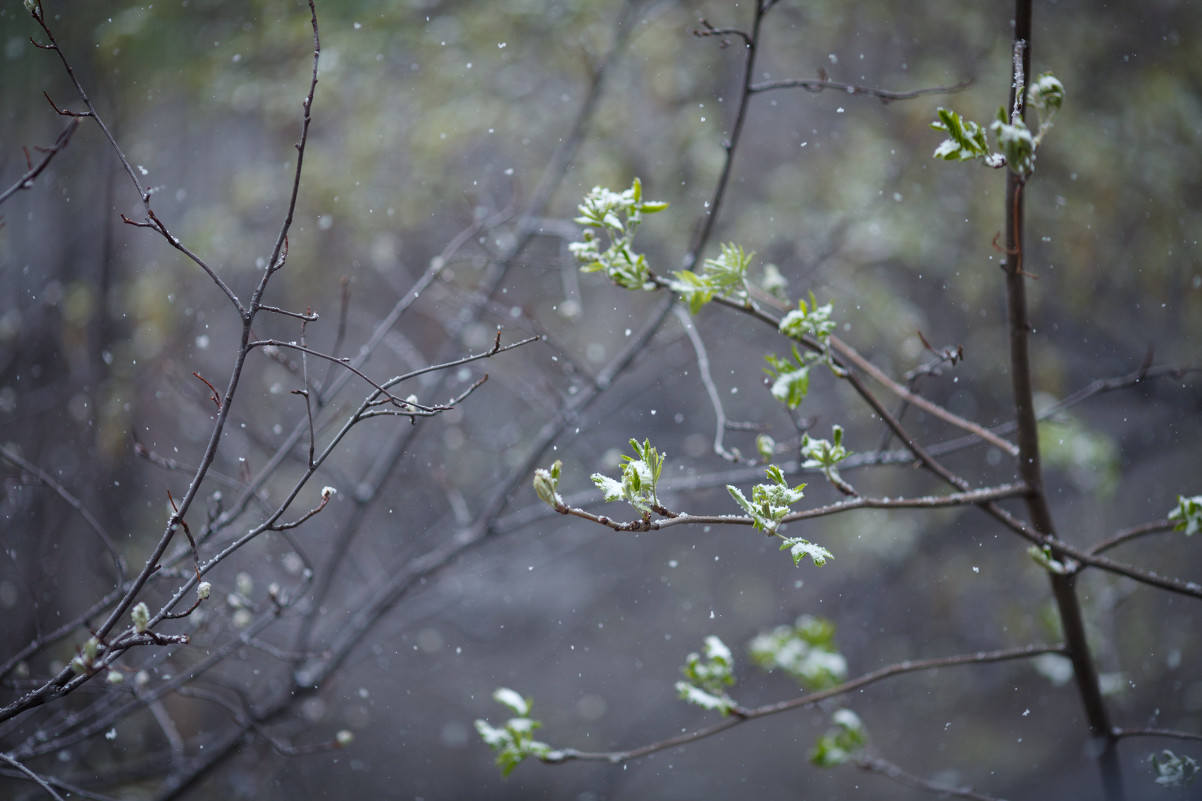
<point x="853" y="356"/>
<point x="707" y="380"/>
<point x="26" y="181"/>
<point x="890" y="770"/>
<point x="1132" y="533"/>
<point x="884" y="95"/>
<point x="31" y="775"/>
<point x="1172" y="734"/>
<point x="714" y="206"/>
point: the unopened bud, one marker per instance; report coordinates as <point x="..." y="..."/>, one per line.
<point x="141" y="617"/>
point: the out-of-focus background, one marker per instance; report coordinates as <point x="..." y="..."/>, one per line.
<point x="432" y="115"/>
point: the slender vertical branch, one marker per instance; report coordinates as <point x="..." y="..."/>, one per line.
<point x="1029" y="465"/>
<point x="710" y="216"/>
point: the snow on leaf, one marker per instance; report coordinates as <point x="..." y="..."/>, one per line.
<point x="512" y="699"/>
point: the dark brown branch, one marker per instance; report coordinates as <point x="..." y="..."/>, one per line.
<point x="714" y="207"/>
<point x="26" y="181"/>
<point x="743" y="715"/>
<point x="1170" y="733"/>
<point x="967" y="498"/>
<point x="884" y="95"/>
<point x="31" y="776"/>
<point x="279" y="252"/>
<point x="1128" y="534"/>
<point x="143" y="193"/>
<point x="1030" y="468"/>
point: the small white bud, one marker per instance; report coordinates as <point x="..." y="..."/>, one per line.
<point x="242" y="618"/>
<point x="141" y="617"/>
<point x="244" y="584"/>
<point x="115" y="677"/>
<point x="141" y="679"/>
<point x="203" y="589"/>
<point x="344" y="738"/>
<point x="327" y="492"/>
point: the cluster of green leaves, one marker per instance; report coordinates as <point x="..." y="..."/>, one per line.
<point x="769" y="505"/>
<point x="725" y="276"/>
<point x="809" y="319"/>
<point x="1188" y="514"/>
<point x="825" y="455"/>
<point x="806" y="651"/>
<point x="769" y="502"/>
<point x="840" y="744"/>
<point x="514" y="741"/>
<point x="966" y="140"/>
<point x="708" y="677"/>
<point x="791" y="376"/>
<point x="640" y="474"/>
<point x="1174" y="771"/>
<point x="619" y="215"/>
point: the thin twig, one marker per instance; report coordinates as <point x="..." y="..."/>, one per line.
<point x="26" y="181"/>
<point x="884" y="95"/>
<point x="1170" y="733"/>
<point x="31" y="775"/>
<point x="890" y="770"/>
<point x="707" y="380"/>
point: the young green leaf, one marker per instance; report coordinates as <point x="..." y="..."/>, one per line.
<point x="805" y="651"/>
<point x="707" y="676"/>
<point x="514" y="741"/>
<point x="825" y="455"/>
<point x="640" y="475"/>
<point x="769" y="502"/>
<point x="801" y="548"/>
<point x="1188" y="514"/>
<point x="1173" y="771"/>
<point x="618" y="215"/>
<point x="790" y="378"/>
<point x="840" y="744"/>
<point x="809" y="320"/>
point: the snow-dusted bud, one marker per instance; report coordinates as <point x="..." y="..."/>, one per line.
<point x="244" y="584"/>
<point x="545" y="484"/>
<point x="141" y="617"/>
